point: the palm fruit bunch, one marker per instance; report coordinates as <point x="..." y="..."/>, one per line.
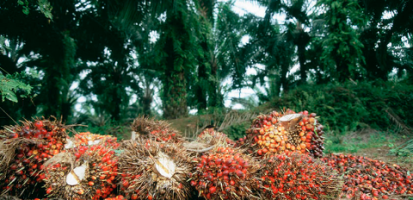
<point x="211" y="136"/>
<point x="159" y="130"/>
<point x="119" y="197"/>
<point x="154" y="170"/>
<point x="278" y="133"/>
<point x="23" y="151"/>
<point x="297" y="176"/>
<point x="366" y="178"/>
<point x="84" y="172"/>
<point x="88" y="139"/>
<point x="225" y="173"/>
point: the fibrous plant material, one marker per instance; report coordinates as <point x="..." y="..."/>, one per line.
<point x="159" y="130"/>
<point x="366" y="178"/>
<point x="297" y="176"/>
<point x="154" y="170"/>
<point x="7" y="197"/>
<point x="225" y="173"/>
<point x="84" y="172"/>
<point x="89" y="139"/>
<point x="278" y="133"/>
<point x="214" y="137"/>
<point x="23" y="151"/>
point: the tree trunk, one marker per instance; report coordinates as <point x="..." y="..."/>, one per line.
<point x="147" y="100"/>
<point x="301" y="59"/>
<point x="284" y="80"/>
<point x="203" y="83"/>
<point x="174" y="92"/>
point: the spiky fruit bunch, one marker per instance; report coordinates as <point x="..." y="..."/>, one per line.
<point x="88" y="139"/>
<point x="224" y="173"/>
<point x="297" y="176"/>
<point x="159" y="130"/>
<point x="213" y="137"/>
<point x="154" y="170"/>
<point x="23" y="151"/>
<point x="366" y="178"/>
<point x="85" y="172"/>
<point x="278" y="133"/>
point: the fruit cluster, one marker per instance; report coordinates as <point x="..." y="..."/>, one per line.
<point x="297" y="176"/>
<point x="119" y="197"/>
<point x="213" y="137"/>
<point x="153" y="170"/>
<point x="278" y="133"/>
<point x="24" y="149"/>
<point x="88" y="139"/>
<point x="366" y="178"/>
<point x="85" y="172"/>
<point x="224" y="173"/>
<point x="155" y="129"/>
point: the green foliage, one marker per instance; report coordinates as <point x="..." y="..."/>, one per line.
<point x="343" y="48"/>
<point x="237" y="131"/>
<point x="352" y="142"/>
<point x="352" y="106"/>
<point x="44" y="7"/>
<point x="10" y="85"/>
<point x="403" y="150"/>
<point x="113" y="128"/>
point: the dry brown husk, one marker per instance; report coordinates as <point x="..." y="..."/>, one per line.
<point x="8" y="197"/>
<point x="141" y="158"/>
<point x="92" y="159"/>
<point x="158" y="130"/>
<point x="57" y="178"/>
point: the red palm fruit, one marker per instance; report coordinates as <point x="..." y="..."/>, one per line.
<point x="286" y="135"/>
<point x="235" y="174"/>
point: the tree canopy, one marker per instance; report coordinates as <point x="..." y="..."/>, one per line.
<point x="93" y="61"/>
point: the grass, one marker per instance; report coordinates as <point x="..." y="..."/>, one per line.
<point x="354" y="141"/>
<point x="386" y="146"/>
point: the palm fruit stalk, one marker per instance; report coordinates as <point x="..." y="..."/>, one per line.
<point x="297" y="176"/>
<point x="84" y="172"/>
<point x="23" y="151"/>
<point x="367" y="178"/>
<point x="225" y="173"/>
<point x="154" y="170"/>
<point x="278" y="133"/>
<point x="161" y="131"/>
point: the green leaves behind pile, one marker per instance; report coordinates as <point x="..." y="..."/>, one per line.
<point x="10" y="85"/>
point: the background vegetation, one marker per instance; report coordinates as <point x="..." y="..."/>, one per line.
<point x="104" y="62"/>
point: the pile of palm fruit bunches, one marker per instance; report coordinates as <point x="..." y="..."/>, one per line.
<point x="280" y="157"/>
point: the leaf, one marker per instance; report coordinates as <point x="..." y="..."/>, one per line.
<point x="20" y="2"/>
<point x="9" y="85"/>
<point x="11" y="96"/>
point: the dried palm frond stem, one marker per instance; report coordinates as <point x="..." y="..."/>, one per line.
<point x="153" y="170"/>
